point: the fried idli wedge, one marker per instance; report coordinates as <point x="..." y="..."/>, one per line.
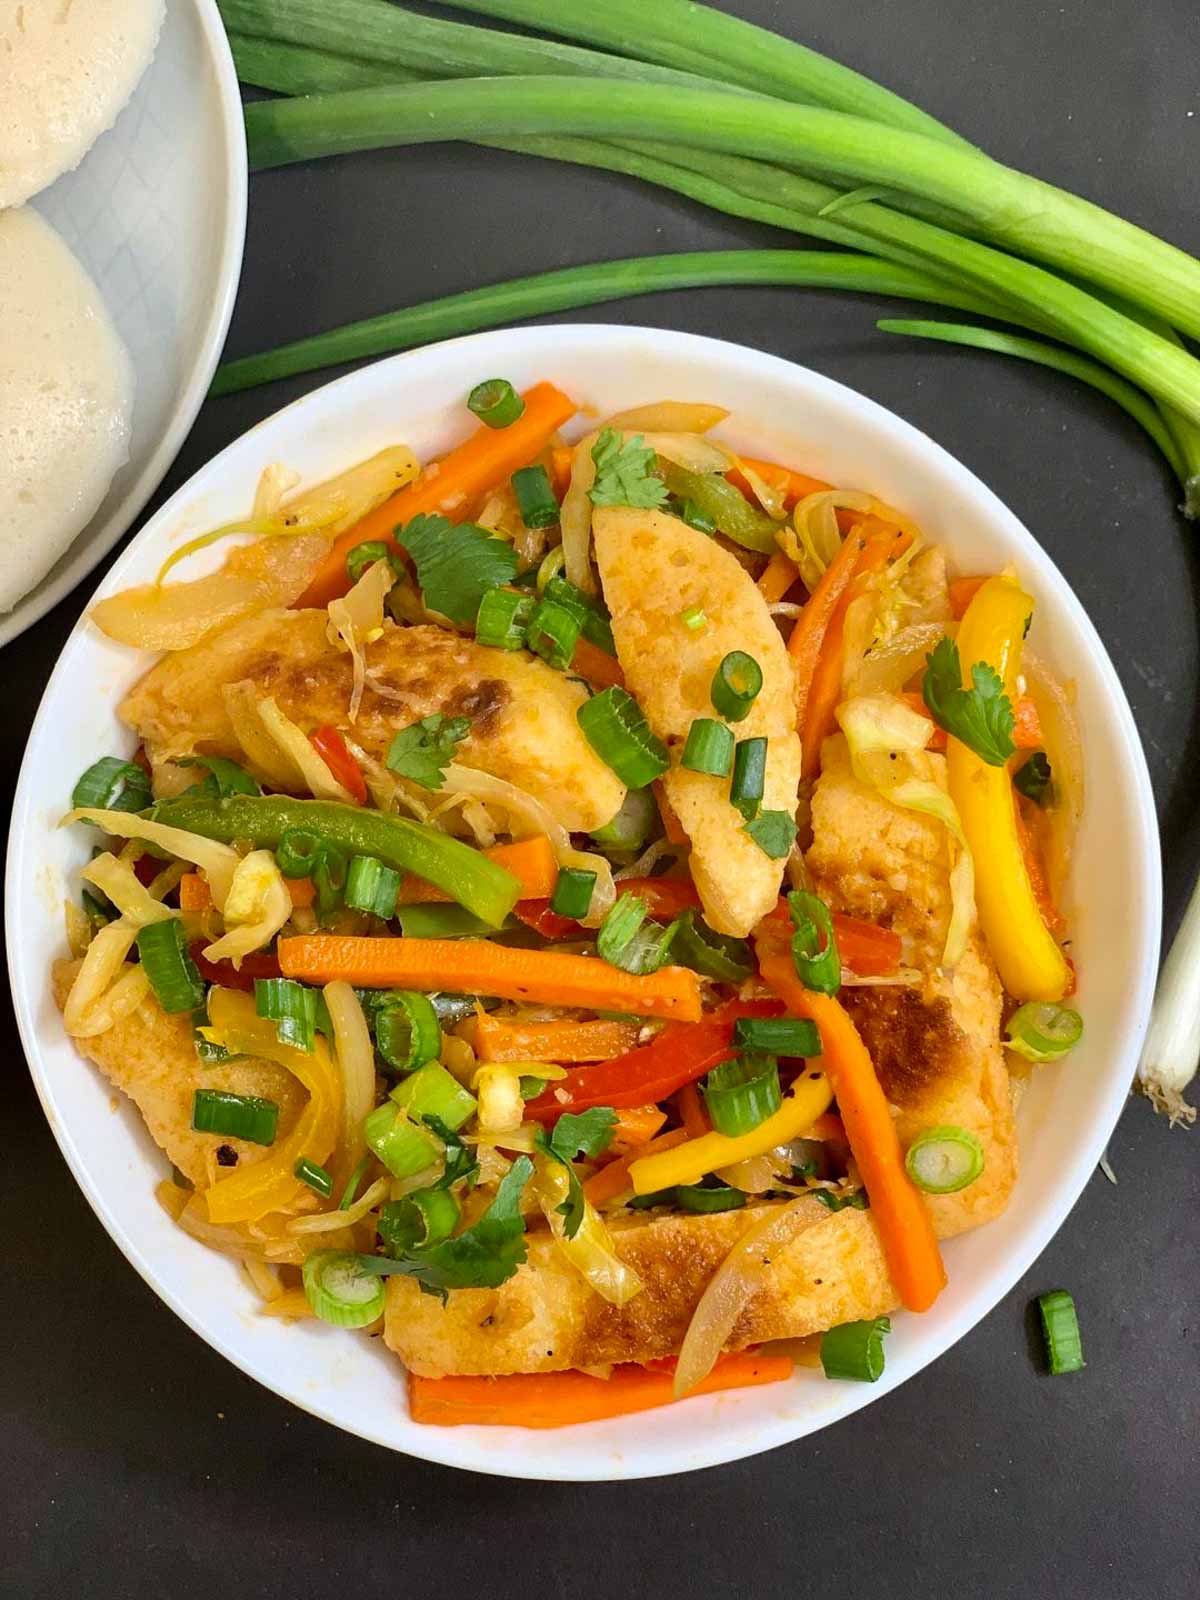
<point x="522" y="712"/>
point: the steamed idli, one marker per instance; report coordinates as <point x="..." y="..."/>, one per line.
<point x="66" y="399"/>
<point x="67" y="67"/>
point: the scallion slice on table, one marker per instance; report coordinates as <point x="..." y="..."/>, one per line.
<point x="236" y="1116"/>
<point x="944" y="1160"/>
<point x="735" y="686"/>
<point x="315" y="1176"/>
<point x="1060" y="1329"/>
<point x="613" y="724"/>
<point x="741" y="1093"/>
<point x="1043" y="1030"/>
<point x="495" y="402"/>
<point x="535" y="497"/>
<point x="111" y="784"/>
<point x="408" y="1032"/>
<point x="854" y="1350"/>
<point x="372" y="887"/>
<point x="503" y="619"/>
<point x="749" y="776"/>
<point x="573" y="892"/>
<point x="291" y="1007"/>
<point x="162" y="948"/>
<point x="340" y="1292"/>
<point x="709" y="748"/>
<point x="790" y="1037"/>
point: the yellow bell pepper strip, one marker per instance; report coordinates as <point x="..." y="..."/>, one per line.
<point x="271" y="1184"/>
<point x="804" y="1102"/>
<point x="1030" y="963"/>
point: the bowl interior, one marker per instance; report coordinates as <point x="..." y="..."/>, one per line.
<point x="788" y="414"/>
<point x="156" y="212"/>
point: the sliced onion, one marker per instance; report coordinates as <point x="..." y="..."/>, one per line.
<point x="263" y="1279"/>
<point x="256" y="907"/>
<point x="78" y="928"/>
<point x="575" y="517"/>
<point x="591" y="1252"/>
<point x="218" y="862"/>
<point x="814" y="537"/>
<point x="668" y="416"/>
<point x="690" y="451"/>
<point x="755" y="1175"/>
<point x="734" y="1284"/>
<point x="329" y="1221"/>
<point x="770" y="499"/>
<point x="355" y="1056"/>
<point x="274" y="482"/>
<point x="1063" y="744"/>
<point x="888" y="667"/>
<point x="340" y="502"/>
<point x="117" y="880"/>
<point x="298" y="751"/>
<point x="357" y="618"/>
<point x="192" y="1217"/>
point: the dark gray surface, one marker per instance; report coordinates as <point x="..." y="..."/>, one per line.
<point x="135" y="1460"/>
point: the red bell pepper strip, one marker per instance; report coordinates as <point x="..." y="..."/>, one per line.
<point x="536" y="914"/>
<point x="334" y="752"/>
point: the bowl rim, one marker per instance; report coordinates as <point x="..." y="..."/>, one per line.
<point x="83" y="555"/>
<point x="449" y="1446"/>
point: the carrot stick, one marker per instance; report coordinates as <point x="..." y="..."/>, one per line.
<point x="636" y="1126"/>
<point x="531" y="860"/>
<point x="909" y="1243"/>
<point x="562" y="459"/>
<point x="962" y="592"/>
<point x="559" y="1399"/>
<point x="793" y="486"/>
<point x="692" y="1112"/>
<point x="497" y="1040"/>
<point x="474" y="966"/>
<point x="450" y="486"/>
<point x="808" y="635"/>
<point x="195" y="894"/>
<point x="600" y="669"/>
<point x="613" y="1180"/>
<point x="777" y="577"/>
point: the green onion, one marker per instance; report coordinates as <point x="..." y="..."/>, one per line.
<point x="633" y="824"/>
<point x="503" y="618"/>
<point x="651" y="947"/>
<point x="1060" y="1329"/>
<point x="814" y="943"/>
<point x="496" y="403"/>
<point x="855" y="1350"/>
<point x="720" y="1197"/>
<point x="693" y="619"/>
<point x="551" y="566"/>
<point x="553" y="633"/>
<point x="572" y="892"/>
<point x="741" y="1093"/>
<point x="613" y="724"/>
<point x="1033" y="779"/>
<point x="713" y="955"/>
<point x="790" y="1037"/>
<point x="691" y="513"/>
<point x="749" y="776"/>
<point x="403" y="1148"/>
<point x="340" y="1292"/>
<point x="100" y="910"/>
<point x="854" y="1201"/>
<point x="774" y="832"/>
<point x="716" y="501"/>
<point x="365" y="555"/>
<point x="431" y="1091"/>
<point x="329" y="880"/>
<point x="236" y="1116"/>
<point x="647" y="1202"/>
<point x="426" y="1216"/>
<point x="315" y="1176"/>
<point x="709" y="748"/>
<point x="535" y="497"/>
<point x="163" y="951"/>
<point x="291" y="1007"/>
<point x="735" y="685"/>
<point x="370" y="886"/>
<point x="207" y="1053"/>
<point x="1043" y="1030"/>
<point x="944" y="1160"/>
<point x="408" y="1032"/>
<point x="592" y="615"/>
<point x="621" y="922"/>
<point x="298" y="852"/>
<point x="353" y="1183"/>
<point x="112" y="785"/>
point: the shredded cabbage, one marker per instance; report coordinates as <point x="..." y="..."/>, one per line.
<point x="314" y="774"/>
<point x="218" y="862"/>
<point x="357" y="618"/>
<point x="591" y="1252"/>
<point x="117" y="879"/>
<point x="256" y="907"/>
<point x="355" y="1056"/>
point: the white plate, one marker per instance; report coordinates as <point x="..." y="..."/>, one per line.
<point x="784" y="413"/>
<point x="156" y="212"/>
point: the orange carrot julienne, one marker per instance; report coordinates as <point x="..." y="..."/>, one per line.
<point x="635" y="1126"/>
<point x="559" y="1399"/>
<point x="562" y="458"/>
<point x="532" y="861"/>
<point x="600" y="669"/>
<point x="450" y="486"/>
<point x="962" y="592"/>
<point x="475" y="966"/>
<point x="910" y="1245"/>
<point x="195" y="894"/>
<point x="564" y="1042"/>
<point x="808" y="635"/>
<point x="613" y="1180"/>
<point x="777" y="577"/>
<point x="692" y="1112"/>
<point x="793" y="486"/>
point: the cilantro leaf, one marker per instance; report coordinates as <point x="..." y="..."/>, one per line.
<point x="773" y="832"/>
<point x="422" y="751"/>
<point x="460" y="1163"/>
<point x="1034" y="779"/>
<point x="481" y="1257"/>
<point x="982" y="716"/>
<point x="624" y="472"/>
<point x="586" y="1133"/>
<point x="457" y="563"/>
<point x="221" y="779"/>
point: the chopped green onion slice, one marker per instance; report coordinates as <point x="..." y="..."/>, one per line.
<point x="370" y="886"/>
<point x="1060" y="1328"/>
<point x="403" y="1148"/>
<point x="340" y="1292"/>
<point x="749" y="776"/>
<point x="572" y="892"/>
<point x="856" y="1200"/>
<point x="691" y="513"/>
<point x="162" y="947"/>
<point x="633" y="824"/>
<point x="535" y="497"/>
<point x="944" y="1160"/>
<point x="621" y="923"/>
<point x="713" y="955"/>
<point x="855" y="1350"/>
<point x="503" y="618"/>
<point x="696" y="1197"/>
<point x="496" y="403"/>
<point x="693" y="619"/>
<point x="426" y="1216"/>
<point x="595" y="624"/>
<point x="236" y="1116"/>
<point x="291" y="1007"/>
<point x="1033" y="779"/>
<point x="709" y="748"/>
<point x="298" y="852"/>
<point x="613" y="724"/>
<point x="774" y="832"/>
<point x="552" y="565"/>
<point x="735" y="685"/>
<point x="790" y="1037"/>
<point x="553" y="632"/>
<point x="365" y="555"/>
<point x="112" y="785"/>
<point x="431" y="1091"/>
<point x="353" y="1183"/>
<point x="814" y="944"/>
<point x="1043" y="1030"/>
<point x="741" y="1093"/>
<point x="329" y="880"/>
<point x="315" y="1176"/>
<point x="407" y="1030"/>
<point x="647" y="1202"/>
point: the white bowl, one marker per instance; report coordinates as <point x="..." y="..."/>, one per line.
<point x="786" y="414"/>
<point x="156" y="212"/>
